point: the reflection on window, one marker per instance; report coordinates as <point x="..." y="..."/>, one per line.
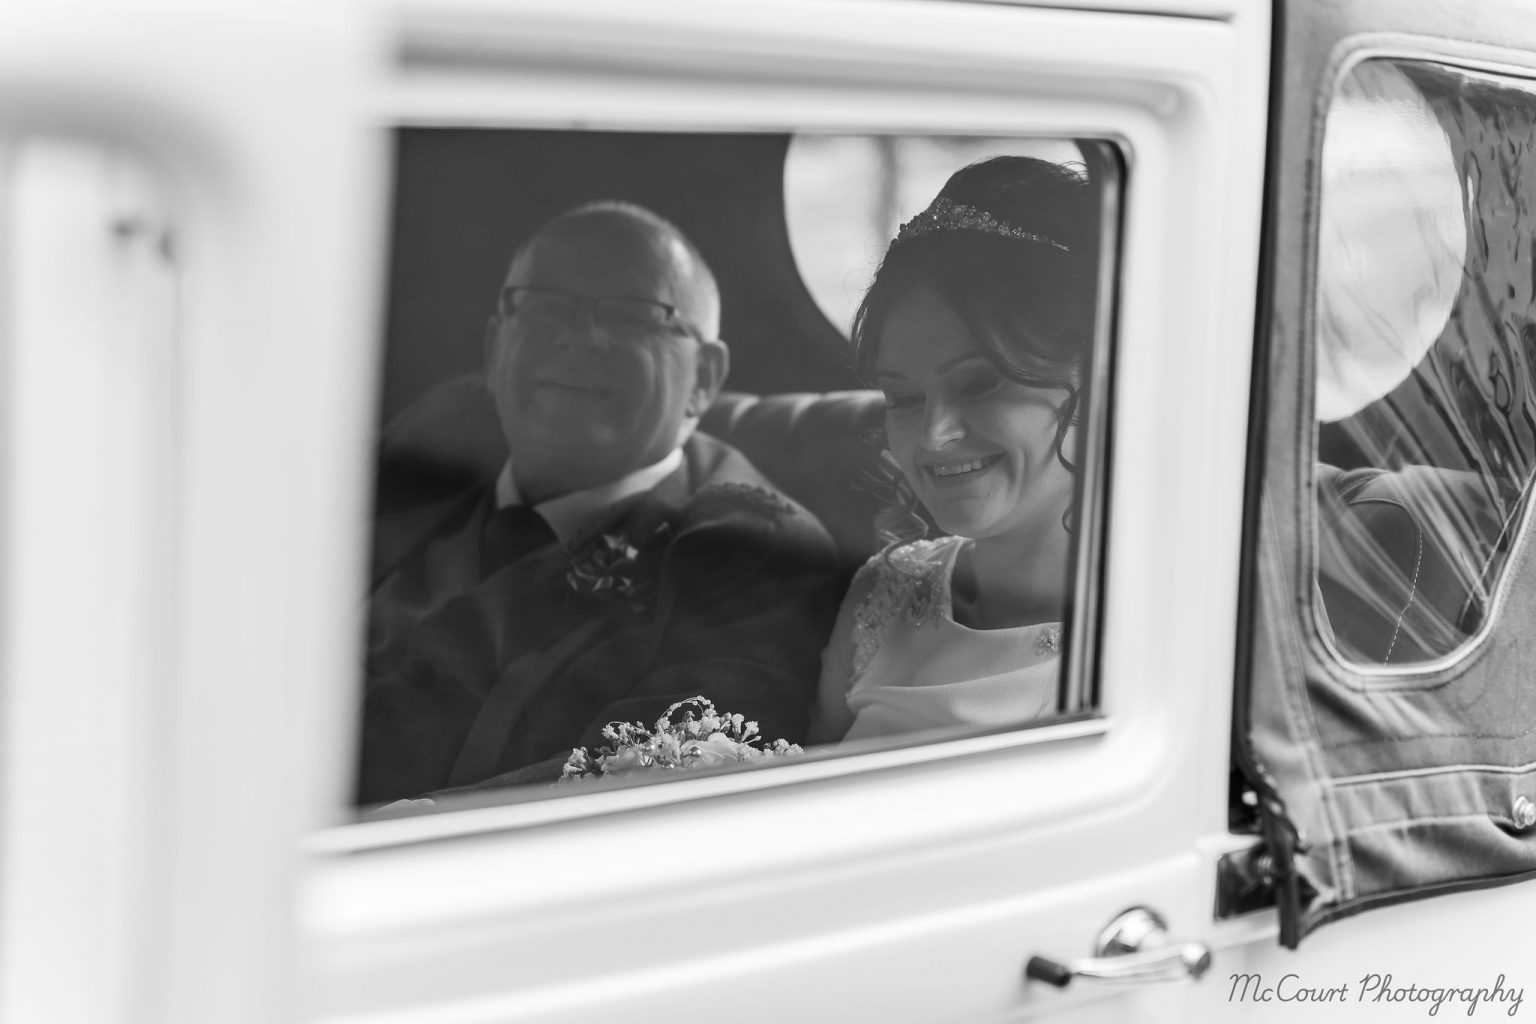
<point x="1425" y="387"/>
<point x="619" y="547"/>
<point x="838" y="233"/>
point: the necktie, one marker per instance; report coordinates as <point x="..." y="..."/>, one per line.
<point x="510" y="534"/>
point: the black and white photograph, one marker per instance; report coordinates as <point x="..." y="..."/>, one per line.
<point x="771" y="507"/>
<point x="767" y="510"/>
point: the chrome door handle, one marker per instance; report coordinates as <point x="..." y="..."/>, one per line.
<point x="1174" y="963"/>
<point x="1133" y="948"/>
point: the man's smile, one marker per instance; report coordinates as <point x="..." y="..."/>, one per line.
<point x="570" y="385"/>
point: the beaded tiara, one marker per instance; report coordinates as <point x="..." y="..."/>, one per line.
<point x="944" y="215"/>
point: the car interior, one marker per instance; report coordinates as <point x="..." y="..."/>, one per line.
<point x="464" y="199"/>
<point x="1420" y="489"/>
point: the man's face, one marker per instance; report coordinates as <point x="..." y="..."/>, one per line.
<point x="585" y="398"/>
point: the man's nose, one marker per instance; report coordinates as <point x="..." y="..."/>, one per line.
<point x="583" y="327"/>
<point x="942" y="425"/>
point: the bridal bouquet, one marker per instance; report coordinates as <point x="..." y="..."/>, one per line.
<point x="700" y="737"/>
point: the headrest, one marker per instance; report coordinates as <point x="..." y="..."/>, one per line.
<point x="821" y="449"/>
<point x="1403" y="560"/>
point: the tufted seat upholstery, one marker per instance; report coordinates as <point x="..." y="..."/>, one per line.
<point x="1404" y="559"/>
<point x="821" y="449"/>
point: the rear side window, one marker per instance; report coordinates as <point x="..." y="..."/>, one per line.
<point x="1426" y="336"/>
<point x="641" y="482"/>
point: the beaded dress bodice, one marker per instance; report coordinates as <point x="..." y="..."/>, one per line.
<point x="908" y="579"/>
<point x="914" y="667"/>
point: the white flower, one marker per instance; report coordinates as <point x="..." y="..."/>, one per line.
<point x="716" y="749"/>
<point x="630" y="759"/>
<point x="699" y="737"/>
<point x="667" y="749"/>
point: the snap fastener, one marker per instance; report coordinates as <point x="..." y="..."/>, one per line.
<point x="1525" y="812"/>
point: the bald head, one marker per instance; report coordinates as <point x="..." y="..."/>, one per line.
<point x="607" y="351"/>
<point x="637" y="243"/>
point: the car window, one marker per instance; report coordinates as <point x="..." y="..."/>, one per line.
<point x="648" y="500"/>
<point x="1384" y="724"/>
<point x="1426" y="399"/>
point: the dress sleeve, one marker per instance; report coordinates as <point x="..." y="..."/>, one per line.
<point x="831" y="717"/>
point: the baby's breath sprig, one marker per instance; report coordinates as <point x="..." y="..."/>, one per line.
<point x="700" y="737"/>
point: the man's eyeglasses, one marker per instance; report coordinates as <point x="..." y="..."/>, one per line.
<point x="557" y="308"/>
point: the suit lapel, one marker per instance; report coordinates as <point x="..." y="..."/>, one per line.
<point x="542" y="651"/>
<point x="519" y="683"/>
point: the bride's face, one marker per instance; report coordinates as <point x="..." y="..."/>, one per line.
<point x="978" y="448"/>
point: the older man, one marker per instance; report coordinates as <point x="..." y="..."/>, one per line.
<point x="619" y="561"/>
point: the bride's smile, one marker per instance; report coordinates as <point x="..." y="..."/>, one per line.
<point x="954" y="472"/>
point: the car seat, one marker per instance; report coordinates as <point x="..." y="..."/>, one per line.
<point x="823" y="450"/>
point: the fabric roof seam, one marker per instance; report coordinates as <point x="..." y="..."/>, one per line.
<point x="1417" y="773"/>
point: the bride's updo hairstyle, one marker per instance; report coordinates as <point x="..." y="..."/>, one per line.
<point x="1011" y="245"/>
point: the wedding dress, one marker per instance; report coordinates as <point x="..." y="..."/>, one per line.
<point x="898" y="662"/>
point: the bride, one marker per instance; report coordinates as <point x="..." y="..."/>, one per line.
<point x="977" y="328"/>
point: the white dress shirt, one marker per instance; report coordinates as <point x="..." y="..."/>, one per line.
<point x="568" y="513"/>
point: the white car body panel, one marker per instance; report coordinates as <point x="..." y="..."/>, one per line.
<point x="178" y="744"/>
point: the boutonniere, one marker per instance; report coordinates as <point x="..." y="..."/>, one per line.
<point x="608" y="567"/>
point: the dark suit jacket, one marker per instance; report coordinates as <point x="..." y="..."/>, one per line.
<point x="730" y="593"/>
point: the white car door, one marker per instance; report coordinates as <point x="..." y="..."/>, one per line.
<point x="904" y="885"/>
<point x="1398" y="182"/>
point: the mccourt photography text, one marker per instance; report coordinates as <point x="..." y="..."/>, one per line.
<point x="1380" y="988"/>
